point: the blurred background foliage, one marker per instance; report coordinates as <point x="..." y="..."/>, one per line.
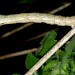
<point x="17" y="41"/>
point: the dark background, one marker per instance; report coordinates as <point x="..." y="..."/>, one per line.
<point x="16" y="42"/>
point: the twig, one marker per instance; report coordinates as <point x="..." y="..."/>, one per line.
<point x="51" y="52"/>
<point x="40" y="35"/>
<point x="29" y="24"/>
<point x="17" y="53"/>
<point x="16" y="30"/>
<point x="60" y="8"/>
<point x="37" y="18"/>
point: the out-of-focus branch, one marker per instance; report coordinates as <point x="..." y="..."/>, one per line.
<point x="18" y="53"/>
<point x="51" y="52"/>
<point x="29" y="24"/>
<point x="16" y="30"/>
<point x="60" y="8"/>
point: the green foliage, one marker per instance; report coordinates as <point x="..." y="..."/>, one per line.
<point x="47" y="43"/>
<point x="72" y="66"/>
<point x="65" y="60"/>
<point x="49" y="36"/>
<point x="30" y="60"/>
<point x="61" y="63"/>
<point x="50" y="65"/>
<point x="70" y="46"/>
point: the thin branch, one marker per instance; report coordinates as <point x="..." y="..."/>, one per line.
<point x="40" y="35"/>
<point x="60" y="8"/>
<point x="29" y="24"/>
<point x="51" y="52"/>
<point x="18" y="53"/>
<point x="37" y="18"/>
<point x="16" y="30"/>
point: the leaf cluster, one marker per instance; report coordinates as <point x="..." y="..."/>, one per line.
<point x="61" y="63"/>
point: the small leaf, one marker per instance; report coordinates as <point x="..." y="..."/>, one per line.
<point x="72" y="64"/>
<point x="56" y="69"/>
<point x="47" y="43"/>
<point x="30" y="60"/>
<point x="50" y="65"/>
<point x="46" y="47"/>
<point x="49" y="36"/>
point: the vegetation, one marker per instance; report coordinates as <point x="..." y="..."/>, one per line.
<point x="61" y="63"/>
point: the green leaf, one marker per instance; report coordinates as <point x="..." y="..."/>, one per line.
<point x="72" y="65"/>
<point x="70" y="46"/>
<point x="47" y="43"/>
<point x="45" y="73"/>
<point x="46" y="47"/>
<point x="49" y="36"/>
<point x="65" y="66"/>
<point x="50" y="65"/>
<point x="56" y="69"/>
<point x="30" y="60"/>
